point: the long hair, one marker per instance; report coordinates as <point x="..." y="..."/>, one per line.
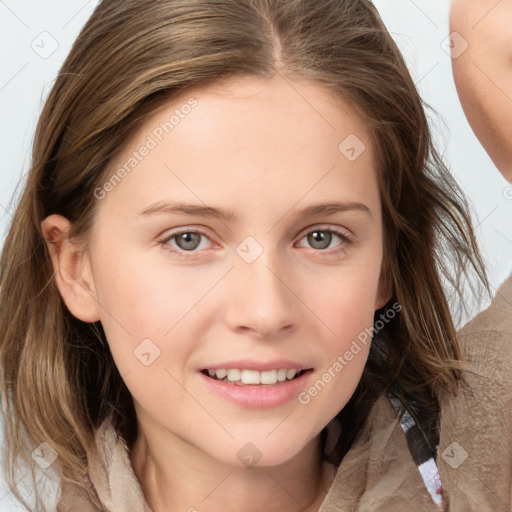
<point x="58" y="378"/>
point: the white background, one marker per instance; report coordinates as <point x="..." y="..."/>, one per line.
<point x="418" y="26"/>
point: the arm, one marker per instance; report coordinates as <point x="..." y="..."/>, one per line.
<point x="483" y="74"/>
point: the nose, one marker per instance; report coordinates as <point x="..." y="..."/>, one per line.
<point x="261" y="301"/>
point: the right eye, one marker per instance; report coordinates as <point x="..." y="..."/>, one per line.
<point x="186" y="240"/>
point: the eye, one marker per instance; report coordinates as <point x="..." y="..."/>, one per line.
<point x="320" y="238"/>
<point x="186" y="240"/>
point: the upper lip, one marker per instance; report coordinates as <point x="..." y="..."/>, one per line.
<point x="259" y="365"/>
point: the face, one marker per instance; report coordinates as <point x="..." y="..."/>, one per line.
<point x="263" y="288"/>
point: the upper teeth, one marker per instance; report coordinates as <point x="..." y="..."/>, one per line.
<point x="254" y="376"/>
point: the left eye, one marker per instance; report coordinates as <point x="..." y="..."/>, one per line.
<point x="189" y="241"/>
<point x="324" y="237"/>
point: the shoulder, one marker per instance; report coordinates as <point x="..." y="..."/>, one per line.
<point x="486" y="344"/>
<point x="485" y="17"/>
<point x="475" y="450"/>
<point x="490" y="332"/>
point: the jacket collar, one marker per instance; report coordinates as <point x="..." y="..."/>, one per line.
<point x="377" y="474"/>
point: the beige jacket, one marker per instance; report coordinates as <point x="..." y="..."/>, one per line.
<point x="475" y="462"/>
<point x="378" y="474"/>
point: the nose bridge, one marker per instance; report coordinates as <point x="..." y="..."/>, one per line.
<point x="262" y="300"/>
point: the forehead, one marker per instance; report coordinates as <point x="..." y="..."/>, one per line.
<point x="251" y="141"/>
<point x="277" y="99"/>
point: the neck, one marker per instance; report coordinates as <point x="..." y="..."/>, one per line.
<point x="175" y="475"/>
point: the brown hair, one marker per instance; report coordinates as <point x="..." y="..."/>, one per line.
<point x="58" y="377"/>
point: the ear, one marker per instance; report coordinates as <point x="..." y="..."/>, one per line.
<point x="71" y="265"/>
<point x="385" y="289"/>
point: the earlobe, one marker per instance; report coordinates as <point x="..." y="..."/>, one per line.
<point x="72" y="269"/>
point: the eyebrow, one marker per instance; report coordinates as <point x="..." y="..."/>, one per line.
<point x="230" y="215"/>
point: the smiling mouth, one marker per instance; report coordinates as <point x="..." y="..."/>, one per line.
<point x="253" y="377"/>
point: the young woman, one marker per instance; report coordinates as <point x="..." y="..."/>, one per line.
<point x="229" y="264"/>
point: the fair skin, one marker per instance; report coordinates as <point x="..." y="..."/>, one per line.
<point x="483" y="74"/>
<point x="259" y="148"/>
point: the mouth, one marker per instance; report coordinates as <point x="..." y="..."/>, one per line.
<point x="254" y="378"/>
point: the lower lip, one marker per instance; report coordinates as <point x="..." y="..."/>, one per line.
<point x="255" y="396"/>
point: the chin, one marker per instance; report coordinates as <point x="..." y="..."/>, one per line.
<point x="263" y="453"/>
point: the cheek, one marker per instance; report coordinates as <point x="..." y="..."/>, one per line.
<point x="345" y="354"/>
<point x="350" y="318"/>
<point x="147" y="298"/>
<point x="346" y="308"/>
<point x="154" y="315"/>
<point x="345" y="300"/>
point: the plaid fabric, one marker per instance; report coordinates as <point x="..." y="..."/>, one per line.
<point x="426" y="463"/>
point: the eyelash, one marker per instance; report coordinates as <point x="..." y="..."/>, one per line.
<point x="346" y="241"/>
